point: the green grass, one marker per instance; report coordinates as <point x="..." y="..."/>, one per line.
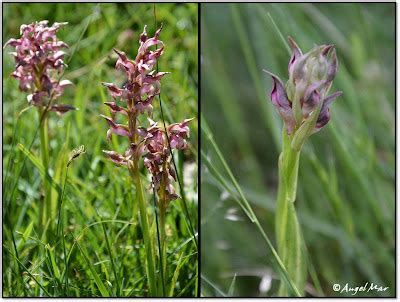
<point x="345" y="199"/>
<point x="102" y="234"/>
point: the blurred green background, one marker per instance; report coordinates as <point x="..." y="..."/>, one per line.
<point x="346" y="193"/>
<point x="96" y="184"/>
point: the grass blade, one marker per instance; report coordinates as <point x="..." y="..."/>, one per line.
<point x="29" y="273"/>
<point x="176" y="274"/>
<point x="206" y="130"/>
<point x="97" y="280"/>
<point x="254" y="72"/>
<point x="231" y="289"/>
<point x="112" y="259"/>
<point x="214" y="286"/>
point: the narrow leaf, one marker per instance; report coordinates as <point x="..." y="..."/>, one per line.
<point x="27" y="232"/>
<point x="97" y="280"/>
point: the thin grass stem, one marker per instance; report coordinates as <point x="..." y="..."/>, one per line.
<point x="30" y="274"/>
<point x="9" y="163"/>
<point x="249" y="57"/>
<point x="60" y="226"/>
<point x="113" y="266"/>
<point x="276" y="28"/>
<point x="159" y="244"/>
<point x="288" y="280"/>
<point x="17" y="257"/>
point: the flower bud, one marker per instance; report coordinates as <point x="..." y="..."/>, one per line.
<point x="324" y="115"/>
<point x="296" y="54"/>
<point x="310" y="78"/>
<point x="280" y="100"/>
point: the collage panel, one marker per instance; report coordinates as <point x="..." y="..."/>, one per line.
<point x="100" y="139"/>
<point x="198" y="150"/>
<point x="298" y="150"/>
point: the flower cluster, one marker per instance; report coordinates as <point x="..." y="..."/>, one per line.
<point x="134" y="98"/>
<point x="157" y="158"/>
<point x="310" y="79"/>
<point x="143" y="84"/>
<point x="39" y="59"/>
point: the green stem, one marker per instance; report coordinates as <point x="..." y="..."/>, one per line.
<point x="297" y="108"/>
<point x="163" y="255"/>
<point x="45" y="207"/>
<point x="149" y="250"/>
<point x="65" y="258"/>
<point x="288" y="232"/>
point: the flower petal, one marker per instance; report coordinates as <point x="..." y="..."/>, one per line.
<point x="312" y="97"/>
<point x="324" y="115"/>
<point x="64" y="83"/>
<point x="177" y="142"/>
<point x="60" y="109"/>
<point x="124" y="63"/>
<point x="146" y="58"/>
<point x="296" y="53"/>
<point x="116" y="158"/>
<point x="115" y="108"/>
<point x="297" y="69"/>
<point x="12" y="42"/>
<point x="282" y="103"/>
<point x="113" y="89"/>
<point x="118" y="129"/>
<point x="172" y="172"/>
<point x="143" y="35"/>
<point x="142" y="131"/>
<point x="333" y="66"/>
<point x="37" y="98"/>
<point x="143" y="107"/>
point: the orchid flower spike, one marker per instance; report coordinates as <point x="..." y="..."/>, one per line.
<point x="303" y="102"/>
<point x="135" y="98"/>
<point x="39" y="60"/>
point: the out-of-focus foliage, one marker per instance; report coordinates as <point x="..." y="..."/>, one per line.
<point x="96" y="187"/>
<point x="346" y="197"/>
